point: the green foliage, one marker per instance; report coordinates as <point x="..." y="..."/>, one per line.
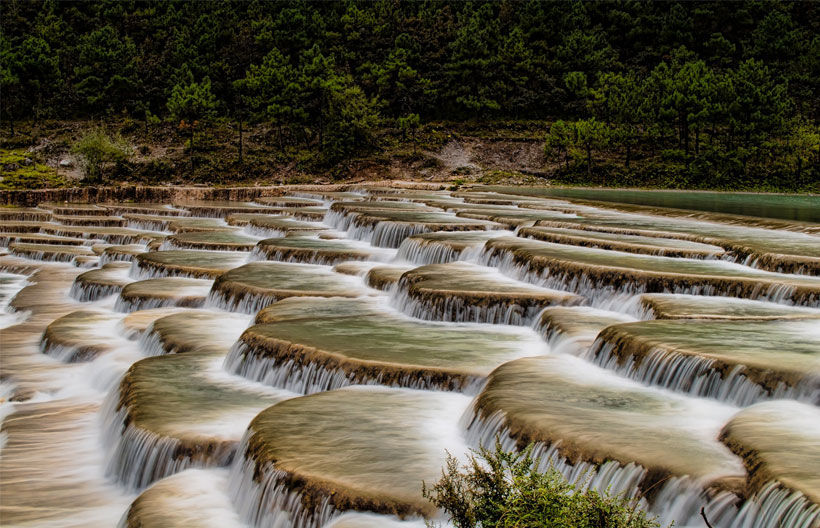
<point x="499" y="489"/>
<point x="20" y="171"/>
<point x="658" y="76"/>
<point x="98" y="150"/>
<point x="191" y="104"/>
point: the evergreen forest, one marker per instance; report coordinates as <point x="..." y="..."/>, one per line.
<point x="681" y="94"/>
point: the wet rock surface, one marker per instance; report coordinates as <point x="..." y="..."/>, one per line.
<point x="285" y="356"/>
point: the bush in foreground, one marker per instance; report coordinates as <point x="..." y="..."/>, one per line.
<point x="499" y="489"/>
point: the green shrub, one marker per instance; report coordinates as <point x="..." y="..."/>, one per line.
<point x="97" y="151"/>
<point x="499" y="489"/>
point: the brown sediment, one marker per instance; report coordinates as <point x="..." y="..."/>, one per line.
<point x="355" y="370"/>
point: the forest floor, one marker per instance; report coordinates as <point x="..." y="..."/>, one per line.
<point x="39" y="155"/>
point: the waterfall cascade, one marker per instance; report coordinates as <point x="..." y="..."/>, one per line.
<point x="308" y="358"/>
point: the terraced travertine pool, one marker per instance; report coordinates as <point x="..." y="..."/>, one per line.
<point x="308" y="359"/>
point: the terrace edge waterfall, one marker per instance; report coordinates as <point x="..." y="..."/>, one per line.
<point x="438" y="295"/>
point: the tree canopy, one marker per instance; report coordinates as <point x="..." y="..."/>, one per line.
<point x="671" y="77"/>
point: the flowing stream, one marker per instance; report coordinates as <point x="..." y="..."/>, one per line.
<point x="309" y="359"/>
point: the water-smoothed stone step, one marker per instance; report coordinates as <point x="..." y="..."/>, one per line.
<point x="465" y="292"/>
<point x="602" y="273"/>
<point x="95" y="221"/>
<point x="308" y="459"/>
<point x="372" y="520"/>
<point x="156" y="209"/>
<point x="50" y="252"/>
<point x="211" y="240"/>
<point x="386" y="228"/>
<point x="385" y="276"/>
<point x="186" y="263"/>
<point x="48" y="471"/>
<point x="181" y="409"/>
<point x="190" y="331"/>
<point x="333" y="196"/>
<point x="315" y="214"/>
<point x="220" y="208"/>
<point x="110" y="279"/>
<point x="194" y="498"/>
<point x="440" y="248"/>
<point x="330" y="343"/>
<point x="511" y="217"/>
<point x="251" y="287"/>
<point x="614" y="433"/>
<point x="176" y="224"/>
<point x="778" y="442"/>
<point x="314" y="250"/>
<point x="164" y="291"/>
<point x="276" y="226"/>
<point x="24" y="214"/>
<point x="137" y="323"/>
<point x="111" y="235"/>
<point x="573" y="329"/>
<point x="78" y="209"/>
<point x="736" y="361"/>
<point x="121" y="253"/>
<point x="656" y="245"/>
<point x="20" y="226"/>
<point x="39" y="238"/>
<point x="288" y="201"/>
<point x="81" y="336"/>
<point x="769" y="249"/>
<point x="680" y="306"/>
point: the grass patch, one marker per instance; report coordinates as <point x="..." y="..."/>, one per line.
<point x="19" y="172"/>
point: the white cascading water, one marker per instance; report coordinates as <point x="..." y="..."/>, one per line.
<point x="699" y="376"/>
<point x="103" y="453"/>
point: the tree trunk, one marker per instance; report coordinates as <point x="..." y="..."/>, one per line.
<point x="589" y="160"/>
<point x="240" y="140"/>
